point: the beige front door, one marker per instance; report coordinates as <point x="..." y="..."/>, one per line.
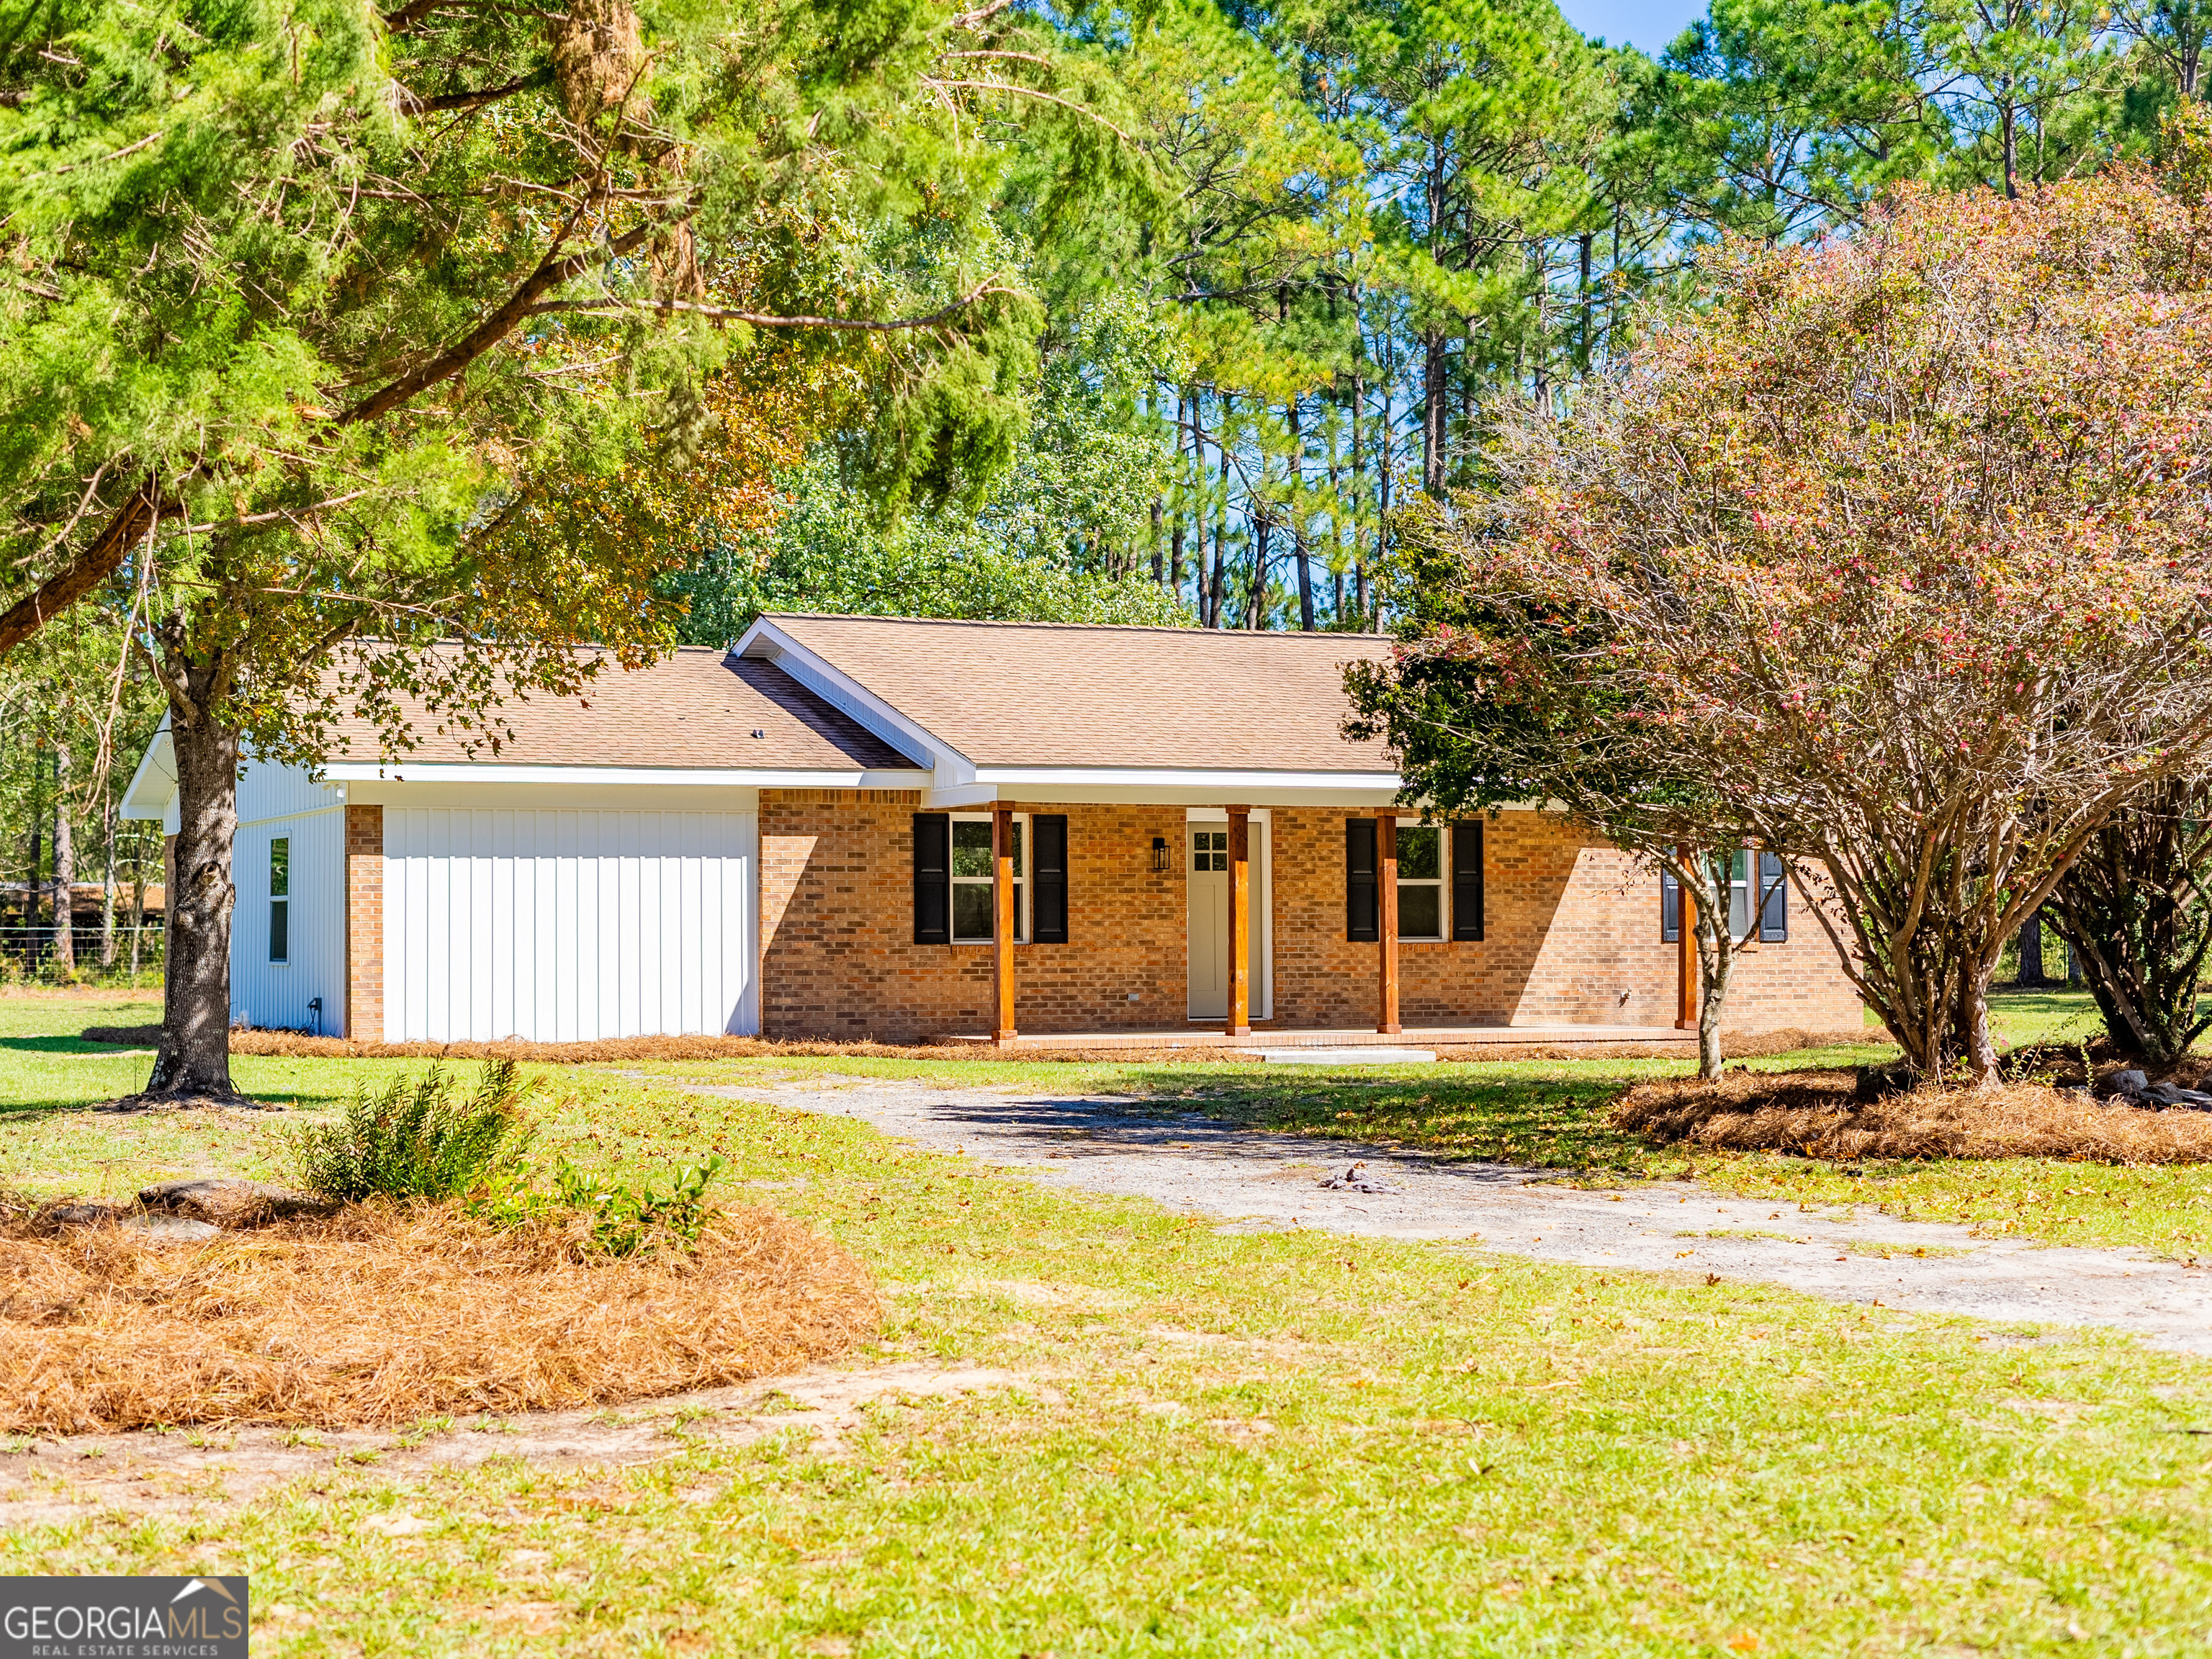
<point x="1205" y="850"/>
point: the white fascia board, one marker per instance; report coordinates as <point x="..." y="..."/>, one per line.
<point x="153" y="786"/>
<point x="764" y="641"/>
<point x="644" y="776"/>
<point x="1081" y="784"/>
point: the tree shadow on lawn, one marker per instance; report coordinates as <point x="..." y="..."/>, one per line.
<point x="1547" y="1121"/>
<point x="1548" y="1115"/>
<point x="64" y="1045"/>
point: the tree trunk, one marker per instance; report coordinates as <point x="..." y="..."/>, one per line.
<point x="1255" y="606"/>
<point x="194" y="1060"/>
<point x="1978" y="1048"/>
<point x="2032" y="976"/>
<point x="1703" y="886"/>
<point x="34" y="880"/>
<point x="138" y="911"/>
<point x="1297" y="522"/>
<point x="1433" y="422"/>
<point x="107" y="886"/>
<point x="64" y="868"/>
<point x="1715" y="967"/>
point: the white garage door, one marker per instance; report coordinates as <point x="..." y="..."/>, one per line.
<point x="561" y="927"/>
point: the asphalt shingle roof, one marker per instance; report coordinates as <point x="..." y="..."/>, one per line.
<point x="1041" y="694"/>
<point x="697" y="708"/>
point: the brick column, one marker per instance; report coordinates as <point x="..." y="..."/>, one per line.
<point x="364" y="880"/>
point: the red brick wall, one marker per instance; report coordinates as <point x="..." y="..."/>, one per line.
<point x="1572" y="934"/>
<point x="364" y="880"/>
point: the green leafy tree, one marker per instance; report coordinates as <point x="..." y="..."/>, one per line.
<point x="317" y="317"/>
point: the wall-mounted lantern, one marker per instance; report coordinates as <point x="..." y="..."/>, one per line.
<point x="1159" y="853"/>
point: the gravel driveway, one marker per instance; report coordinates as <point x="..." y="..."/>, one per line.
<point x="1251" y="1178"/>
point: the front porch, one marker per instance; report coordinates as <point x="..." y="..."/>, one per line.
<point x="1231" y="928"/>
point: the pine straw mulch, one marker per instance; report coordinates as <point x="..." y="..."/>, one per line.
<point x="383" y="1316"/>
<point x="1817" y="1115"/>
<point x="296" y="1045"/>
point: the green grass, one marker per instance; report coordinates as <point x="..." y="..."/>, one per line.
<point x="1229" y="1443"/>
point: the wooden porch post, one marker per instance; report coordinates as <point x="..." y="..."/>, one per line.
<point x="1386" y="919"/>
<point x="1240" y="922"/>
<point x="1002" y="923"/>
<point x="1685" y="960"/>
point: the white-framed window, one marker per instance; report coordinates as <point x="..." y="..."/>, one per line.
<point x="1423" y="899"/>
<point x="1739" y="892"/>
<point x="973" y="885"/>
<point x="280" y="899"/>
<point x="1209" y="850"/>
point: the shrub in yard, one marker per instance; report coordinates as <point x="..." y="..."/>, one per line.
<point x="418" y="1140"/>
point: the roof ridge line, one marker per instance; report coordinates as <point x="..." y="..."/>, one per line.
<point x="1092" y="628"/>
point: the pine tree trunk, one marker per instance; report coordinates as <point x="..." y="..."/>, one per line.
<point x="64" y="868"/>
<point x="107" y="888"/>
<point x="34" y="882"/>
<point x="138" y="914"/>
<point x="194" y="1060"/>
<point x="1433" y="411"/>
<point x="1297" y="522"/>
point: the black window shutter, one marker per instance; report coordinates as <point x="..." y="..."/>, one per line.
<point x="1774" y="905"/>
<point x="932" y="878"/>
<point x="1670" y="907"/>
<point x="1048" y="903"/>
<point x="1467" y="879"/>
<point x="1360" y="921"/>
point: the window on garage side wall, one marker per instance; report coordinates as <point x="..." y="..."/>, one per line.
<point x="280" y="899"/>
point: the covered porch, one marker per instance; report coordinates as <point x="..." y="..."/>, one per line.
<point x="1448" y="881"/>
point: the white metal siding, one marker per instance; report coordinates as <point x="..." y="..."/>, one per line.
<point x="271" y="994"/>
<point x="281" y="792"/>
<point x="561" y="927"/>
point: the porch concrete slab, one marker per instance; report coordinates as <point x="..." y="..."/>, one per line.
<point x="1257" y="1180"/>
<point x="1378" y="1056"/>
<point x="1263" y="1037"/>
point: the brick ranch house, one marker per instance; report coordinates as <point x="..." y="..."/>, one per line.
<point x="852" y="827"/>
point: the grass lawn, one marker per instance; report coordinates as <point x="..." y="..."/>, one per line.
<point x="1230" y="1443"/>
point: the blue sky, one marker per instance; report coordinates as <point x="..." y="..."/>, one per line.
<point x="1650" y="24"/>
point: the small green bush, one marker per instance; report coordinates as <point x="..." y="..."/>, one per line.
<point x="627" y="1221"/>
<point x="418" y="1140"/>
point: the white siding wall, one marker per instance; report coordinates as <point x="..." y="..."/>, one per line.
<point x="277" y="801"/>
<point x="564" y="926"/>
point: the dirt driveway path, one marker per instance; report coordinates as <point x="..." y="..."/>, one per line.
<point x="1252" y="1178"/>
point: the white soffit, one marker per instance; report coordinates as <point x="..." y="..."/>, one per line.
<point x="152" y="783"/>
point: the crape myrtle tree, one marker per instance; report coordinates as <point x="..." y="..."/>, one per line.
<point x="1900" y="540"/>
<point x="322" y="325"/>
<point x="2135" y="909"/>
<point x="1497" y="697"/>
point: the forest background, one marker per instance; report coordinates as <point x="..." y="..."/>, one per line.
<point x="1285" y="259"/>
